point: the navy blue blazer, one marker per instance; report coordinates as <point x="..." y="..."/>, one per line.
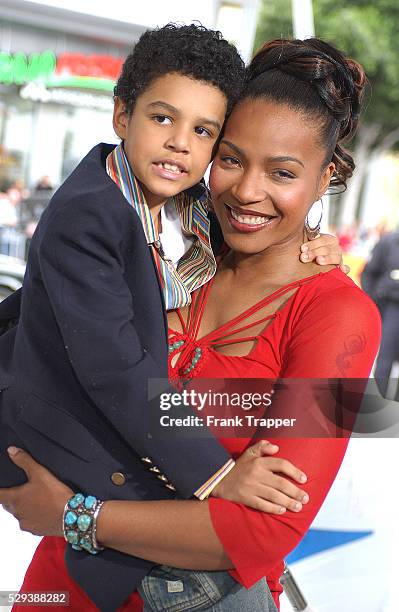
<point x="91" y="331"/>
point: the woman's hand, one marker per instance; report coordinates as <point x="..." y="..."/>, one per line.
<point x="324" y="250"/>
<point x="38" y="505"/>
<point x="261" y="482"/>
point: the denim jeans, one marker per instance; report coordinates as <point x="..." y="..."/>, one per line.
<point x="168" y="589"/>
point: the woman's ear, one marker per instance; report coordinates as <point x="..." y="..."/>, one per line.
<point x="325" y="179"/>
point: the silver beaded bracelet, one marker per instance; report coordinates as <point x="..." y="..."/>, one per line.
<point x="80" y="522"/>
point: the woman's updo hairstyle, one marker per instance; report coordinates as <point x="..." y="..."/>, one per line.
<point x="313" y="77"/>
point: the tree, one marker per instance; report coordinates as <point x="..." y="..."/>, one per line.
<point x="367" y="32"/>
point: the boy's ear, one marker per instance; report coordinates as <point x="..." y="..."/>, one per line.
<point x="120" y="119"/>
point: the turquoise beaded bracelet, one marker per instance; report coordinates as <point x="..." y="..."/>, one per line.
<point x="80" y="522"/>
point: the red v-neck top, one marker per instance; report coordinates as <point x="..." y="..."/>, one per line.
<point x="328" y="328"/>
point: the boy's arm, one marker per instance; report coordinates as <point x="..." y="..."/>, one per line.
<point x="324" y="250"/>
<point x="83" y="273"/>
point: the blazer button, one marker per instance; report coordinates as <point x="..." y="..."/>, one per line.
<point x="118" y="479"/>
<point x="147" y="460"/>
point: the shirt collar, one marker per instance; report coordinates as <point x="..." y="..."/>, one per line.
<point x="190" y="204"/>
<point x="118" y="168"/>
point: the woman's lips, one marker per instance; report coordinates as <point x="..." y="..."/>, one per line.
<point x="252" y="223"/>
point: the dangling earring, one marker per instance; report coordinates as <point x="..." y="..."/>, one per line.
<point x="314" y="232"/>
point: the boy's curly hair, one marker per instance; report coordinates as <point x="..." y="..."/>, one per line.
<point x="190" y="50"/>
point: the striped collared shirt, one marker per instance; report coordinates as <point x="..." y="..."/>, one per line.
<point x="197" y="266"/>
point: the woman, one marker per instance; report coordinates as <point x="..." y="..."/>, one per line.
<point x="280" y="152"/>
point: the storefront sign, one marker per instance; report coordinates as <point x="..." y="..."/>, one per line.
<point x="68" y="70"/>
<point x="100" y="66"/>
<point x="73" y="97"/>
<point x="19" y="68"/>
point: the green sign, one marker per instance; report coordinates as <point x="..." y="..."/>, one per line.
<point x="19" y="68"/>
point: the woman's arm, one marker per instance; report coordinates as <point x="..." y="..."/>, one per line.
<point x="178" y="533"/>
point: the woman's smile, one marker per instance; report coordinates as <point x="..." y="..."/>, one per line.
<point x="244" y="220"/>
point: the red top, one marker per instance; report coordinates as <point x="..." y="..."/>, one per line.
<point x="328" y="328"/>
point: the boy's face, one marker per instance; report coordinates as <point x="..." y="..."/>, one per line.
<point x="170" y="135"/>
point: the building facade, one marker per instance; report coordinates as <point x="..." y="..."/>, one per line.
<point x="58" y="67"/>
<point x="56" y="81"/>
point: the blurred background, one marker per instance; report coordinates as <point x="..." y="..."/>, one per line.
<point x="58" y="67"/>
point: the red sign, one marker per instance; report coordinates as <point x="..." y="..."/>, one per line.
<point x="100" y="66"/>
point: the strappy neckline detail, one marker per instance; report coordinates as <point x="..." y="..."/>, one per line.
<point x="225" y="334"/>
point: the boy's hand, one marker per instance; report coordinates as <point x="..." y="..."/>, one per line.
<point x="324" y="250"/>
<point x="261" y="482"/>
<point x="39" y="504"/>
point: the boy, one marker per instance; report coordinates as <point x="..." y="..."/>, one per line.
<point x="92" y="327"/>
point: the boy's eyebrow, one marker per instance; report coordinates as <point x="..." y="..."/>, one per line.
<point x="173" y="109"/>
<point x="206" y="121"/>
<point x="164" y="105"/>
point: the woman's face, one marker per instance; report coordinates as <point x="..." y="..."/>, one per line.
<point x="266" y="175"/>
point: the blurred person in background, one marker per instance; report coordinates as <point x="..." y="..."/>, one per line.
<point x="8" y="212"/>
<point x="380" y="279"/>
<point x="44" y="184"/>
<point x="347" y="237"/>
<point x="17" y="192"/>
<point x="11" y="197"/>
